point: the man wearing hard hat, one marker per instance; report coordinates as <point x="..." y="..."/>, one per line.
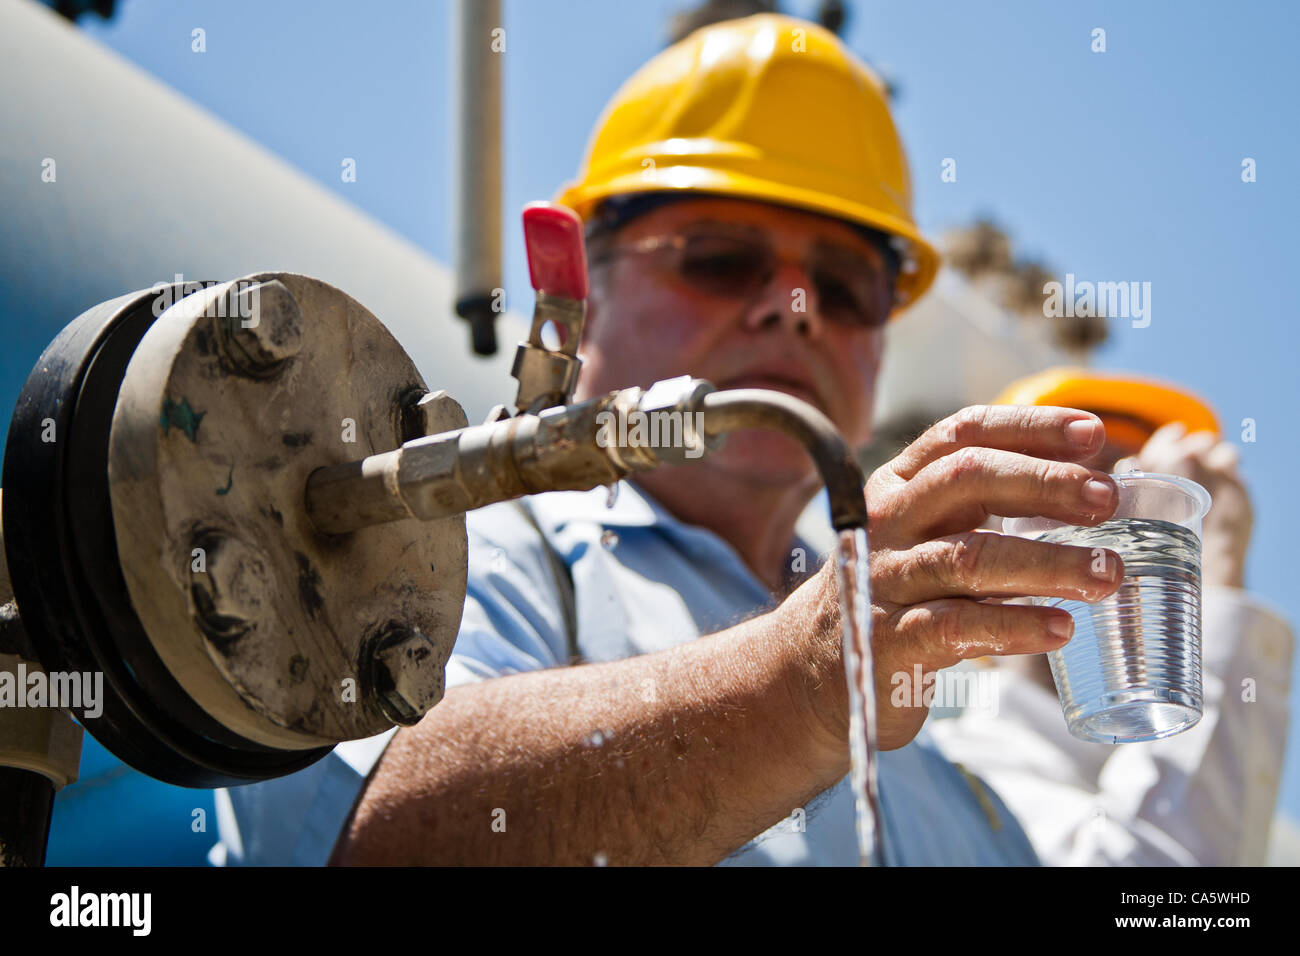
<point x="749" y="213"/>
<point x="1206" y="796"/>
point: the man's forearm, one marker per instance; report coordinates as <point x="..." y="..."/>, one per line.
<point x="676" y="757"/>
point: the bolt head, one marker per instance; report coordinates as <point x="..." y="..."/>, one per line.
<point x="429" y="413"/>
<point x="406" y="674"/>
<point x="263" y="327"/>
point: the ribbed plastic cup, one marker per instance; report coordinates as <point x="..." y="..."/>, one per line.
<point x="1132" y="671"/>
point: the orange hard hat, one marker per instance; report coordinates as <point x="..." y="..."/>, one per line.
<point x="1131" y="406"/>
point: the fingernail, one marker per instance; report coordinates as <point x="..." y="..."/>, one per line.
<point x="1060" y="627"/>
<point x="1097" y="492"/>
<point x="1083" y="432"/>
<point x="1103" y="567"/>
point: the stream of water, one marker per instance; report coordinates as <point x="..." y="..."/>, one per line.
<point x="855" y="613"/>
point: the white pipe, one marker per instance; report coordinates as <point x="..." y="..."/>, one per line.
<point x="481" y="46"/>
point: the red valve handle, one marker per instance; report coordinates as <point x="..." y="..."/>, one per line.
<point x="557" y="258"/>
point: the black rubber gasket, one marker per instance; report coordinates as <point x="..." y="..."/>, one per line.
<point x="62" y="552"/>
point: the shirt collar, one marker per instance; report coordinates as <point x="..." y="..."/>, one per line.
<point x="634" y="508"/>
<point x="631" y="508"/>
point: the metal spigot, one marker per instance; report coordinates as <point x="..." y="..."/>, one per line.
<point x="569" y="448"/>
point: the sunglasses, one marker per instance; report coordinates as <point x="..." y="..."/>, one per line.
<point x="852" y="289"/>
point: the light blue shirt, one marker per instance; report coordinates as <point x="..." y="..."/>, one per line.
<point x="643" y="582"/>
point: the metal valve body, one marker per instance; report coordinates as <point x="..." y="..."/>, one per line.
<point x="162" y="536"/>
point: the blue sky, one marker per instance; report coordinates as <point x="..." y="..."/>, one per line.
<point x="1123" y="165"/>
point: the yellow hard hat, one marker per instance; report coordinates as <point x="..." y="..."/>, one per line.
<point x="1118" y="398"/>
<point x="769" y="108"/>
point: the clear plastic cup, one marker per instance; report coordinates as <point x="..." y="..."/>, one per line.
<point x="1132" y="671"/>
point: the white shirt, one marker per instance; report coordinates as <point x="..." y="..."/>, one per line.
<point x="1203" y="797"/>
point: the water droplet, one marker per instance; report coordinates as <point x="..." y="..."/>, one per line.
<point x="596" y="738"/>
<point x="608" y="540"/>
<point x="613" y="494"/>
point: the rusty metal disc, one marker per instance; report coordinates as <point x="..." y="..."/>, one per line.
<point x="61" y="545"/>
<point x="286" y="636"/>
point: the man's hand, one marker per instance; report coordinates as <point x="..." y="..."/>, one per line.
<point x="751" y="722"/>
<point x="1212" y="464"/>
<point x="935" y="578"/>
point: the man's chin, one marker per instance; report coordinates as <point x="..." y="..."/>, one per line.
<point x="764" y="457"/>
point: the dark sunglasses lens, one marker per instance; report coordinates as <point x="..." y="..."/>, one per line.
<point x="853" y="291"/>
<point x="723" y="265"/>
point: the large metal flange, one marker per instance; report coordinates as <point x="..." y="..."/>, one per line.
<point x="62" y="554"/>
<point x="285" y="636"/>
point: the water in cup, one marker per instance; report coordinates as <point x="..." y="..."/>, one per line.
<point x="1132" y="670"/>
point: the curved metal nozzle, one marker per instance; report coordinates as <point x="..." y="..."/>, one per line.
<point x="744" y="408"/>
<point x="574" y="448"/>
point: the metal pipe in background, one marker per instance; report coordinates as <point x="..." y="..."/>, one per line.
<point x="480" y="44"/>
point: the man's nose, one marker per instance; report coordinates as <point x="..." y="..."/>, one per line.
<point x="789" y="300"/>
